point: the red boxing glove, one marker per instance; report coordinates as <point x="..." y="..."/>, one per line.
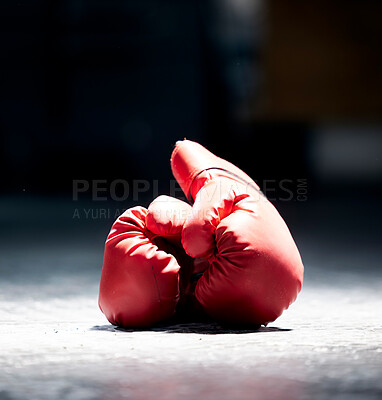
<point x="255" y="269"/>
<point x="140" y="275"/>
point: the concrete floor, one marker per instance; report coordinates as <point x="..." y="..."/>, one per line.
<point x="56" y="344"/>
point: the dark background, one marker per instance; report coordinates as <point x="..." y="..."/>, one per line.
<point x="101" y="90"/>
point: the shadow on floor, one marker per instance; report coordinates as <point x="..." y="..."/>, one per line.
<point x="210" y="328"/>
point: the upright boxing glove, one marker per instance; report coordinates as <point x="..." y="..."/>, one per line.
<point x="143" y="256"/>
<point x="255" y="271"/>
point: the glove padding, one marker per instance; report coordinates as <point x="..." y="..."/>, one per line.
<point x="255" y="269"/>
<point x="142" y="260"/>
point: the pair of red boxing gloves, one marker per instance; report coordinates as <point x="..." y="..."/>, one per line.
<point x="230" y="255"/>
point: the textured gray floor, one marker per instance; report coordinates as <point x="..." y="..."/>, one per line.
<point x="55" y="343"/>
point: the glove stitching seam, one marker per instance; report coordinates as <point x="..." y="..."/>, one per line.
<point x="228" y="172"/>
